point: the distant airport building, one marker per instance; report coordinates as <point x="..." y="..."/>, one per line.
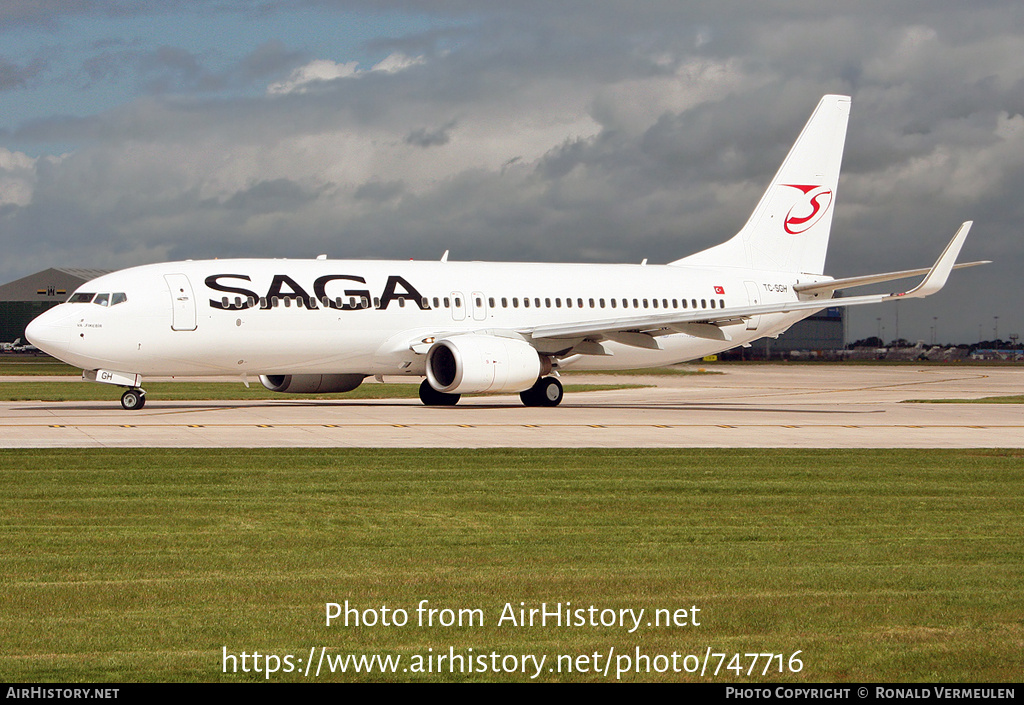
<point x="26" y="298"/>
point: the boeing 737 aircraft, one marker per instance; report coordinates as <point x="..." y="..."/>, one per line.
<point x="314" y="326"/>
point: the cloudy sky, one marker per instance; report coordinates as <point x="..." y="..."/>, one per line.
<point x="580" y="130"/>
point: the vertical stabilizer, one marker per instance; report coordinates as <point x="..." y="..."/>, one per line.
<point x="789" y="229"/>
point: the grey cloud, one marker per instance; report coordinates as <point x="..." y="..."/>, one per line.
<point x="423" y="137"/>
<point x="275" y="195"/>
<point x="14" y="75"/>
<point x="379" y="191"/>
<point x="272" y="58"/>
<point x="158" y="70"/>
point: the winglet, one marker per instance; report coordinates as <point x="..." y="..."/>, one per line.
<point x="937" y="275"/>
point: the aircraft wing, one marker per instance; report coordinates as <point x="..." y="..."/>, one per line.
<point x="641" y="331"/>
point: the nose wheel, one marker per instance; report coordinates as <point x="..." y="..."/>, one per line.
<point x="133" y="399"/>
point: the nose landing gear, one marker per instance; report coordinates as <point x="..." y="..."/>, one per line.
<point x="133" y="399"/>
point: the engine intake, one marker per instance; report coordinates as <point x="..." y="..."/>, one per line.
<point x="465" y="364"/>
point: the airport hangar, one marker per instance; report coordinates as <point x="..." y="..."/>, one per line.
<point x="24" y="299"/>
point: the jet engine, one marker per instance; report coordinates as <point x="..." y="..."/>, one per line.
<point x="311" y="384"/>
<point x="465" y="364"/>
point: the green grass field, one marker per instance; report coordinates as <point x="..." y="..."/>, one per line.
<point x="37" y="366"/>
<point x="876" y="565"/>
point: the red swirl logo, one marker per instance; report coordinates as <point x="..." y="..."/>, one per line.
<point x="817" y="200"/>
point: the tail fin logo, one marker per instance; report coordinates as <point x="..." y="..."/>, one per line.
<point x="818" y="200"/>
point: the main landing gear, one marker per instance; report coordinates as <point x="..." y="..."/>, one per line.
<point x="133" y="399"/>
<point x="547" y="391"/>
<point x="431" y="397"/>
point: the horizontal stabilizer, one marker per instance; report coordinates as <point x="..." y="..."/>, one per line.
<point x="827" y="287"/>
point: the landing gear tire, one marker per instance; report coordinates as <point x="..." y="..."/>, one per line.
<point x="547" y="391"/>
<point x="133" y="399"/>
<point x="431" y="397"/>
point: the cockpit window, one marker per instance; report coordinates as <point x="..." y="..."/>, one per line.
<point x="102" y="299"/>
<point x="118" y="298"/>
<point x="80" y="298"/>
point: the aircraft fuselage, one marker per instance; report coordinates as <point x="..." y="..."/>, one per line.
<point x="233" y="317"/>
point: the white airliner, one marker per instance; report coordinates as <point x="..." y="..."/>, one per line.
<point x="313" y="326"/>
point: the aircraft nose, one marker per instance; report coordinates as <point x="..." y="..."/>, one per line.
<point x="50" y="331"/>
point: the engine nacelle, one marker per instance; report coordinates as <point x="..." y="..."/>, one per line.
<point x="311" y="384"/>
<point x="464" y="364"/>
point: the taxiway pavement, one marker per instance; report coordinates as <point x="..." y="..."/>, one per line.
<point x="778" y="405"/>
